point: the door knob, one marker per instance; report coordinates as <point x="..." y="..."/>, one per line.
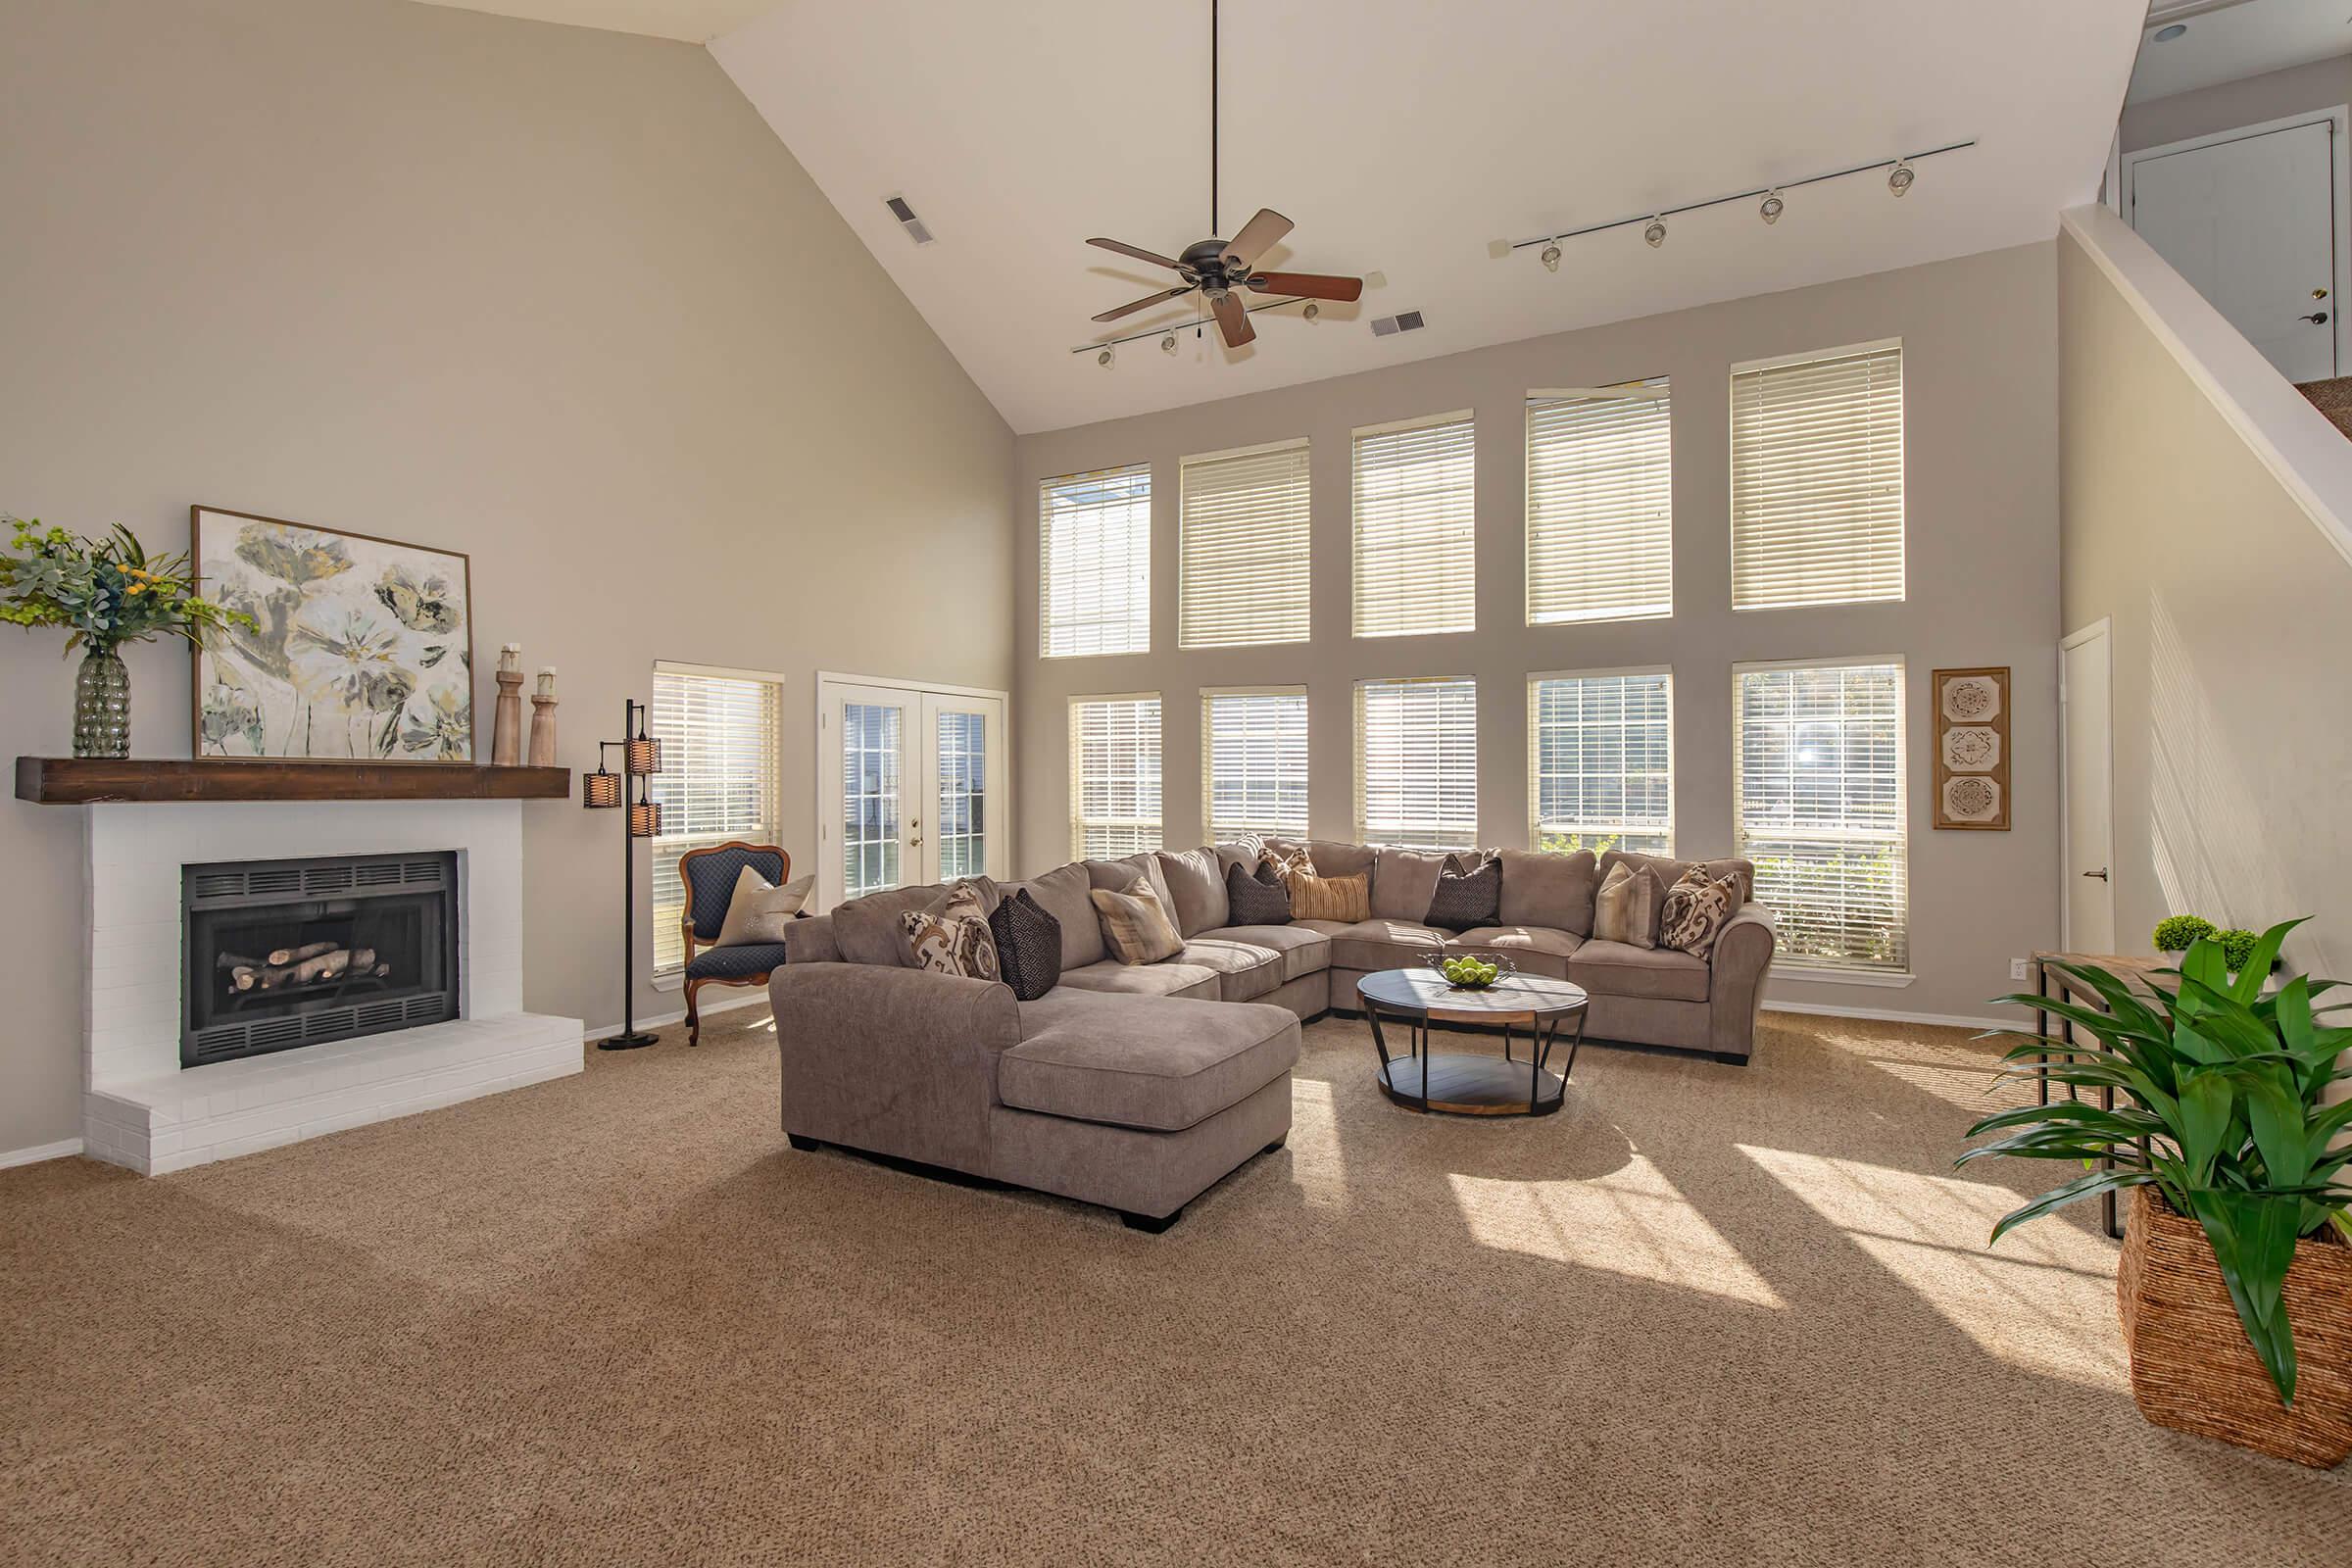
<point x="2318" y="293"/>
<point x="2100" y="873"/>
<point x="2316" y="318"/>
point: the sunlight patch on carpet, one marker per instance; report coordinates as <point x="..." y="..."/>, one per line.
<point x="1975" y="1087"/>
<point x="1633" y="1222"/>
<point x="2044" y="1299"/>
<point x="1322" y="1181"/>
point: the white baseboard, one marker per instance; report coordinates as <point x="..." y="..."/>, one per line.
<point x="751" y="997"/>
<point x="1945" y="1020"/>
<point x="63" y="1148"/>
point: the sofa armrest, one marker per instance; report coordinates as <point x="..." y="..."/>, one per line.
<point x="809" y="940"/>
<point x="1741" y="958"/>
<point x="893" y="1061"/>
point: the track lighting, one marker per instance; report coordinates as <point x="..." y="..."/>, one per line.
<point x="1898" y="178"/>
<point x="1771" y="208"/>
<point x="1551" y="258"/>
<point x="1168" y="345"/>
<point x="1104" y="357"/>
<point x="1312" y="309"/>
<point x="1655" y="234"/>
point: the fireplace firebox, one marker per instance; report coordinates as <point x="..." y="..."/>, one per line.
<point x="281" y="953"/>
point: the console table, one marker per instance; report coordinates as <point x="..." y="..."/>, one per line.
<point x="2136" y="973"/>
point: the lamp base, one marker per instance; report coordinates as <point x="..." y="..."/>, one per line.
<point x="629" y="1042"/>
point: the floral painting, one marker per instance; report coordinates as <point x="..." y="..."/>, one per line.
<point x="361" y="649"/>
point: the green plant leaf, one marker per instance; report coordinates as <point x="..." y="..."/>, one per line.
<point x="2253" y="1238"/>
<point x="2090" y="1186"/>
<point x="2275" y="1116"/>
<point x="2206" y="1098"/>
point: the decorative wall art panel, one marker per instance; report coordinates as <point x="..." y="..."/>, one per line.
<point x="1972" y="748"/>
<point x="362" y="652"/>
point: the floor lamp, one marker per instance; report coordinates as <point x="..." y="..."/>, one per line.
<point x="605" y="789"/>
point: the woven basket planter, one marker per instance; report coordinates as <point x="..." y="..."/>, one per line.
<point x="2192" y="1368"/>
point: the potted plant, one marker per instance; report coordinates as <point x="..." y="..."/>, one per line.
<point x="2220" y="1127"/>
<point x="110" y="590"/>
<point x="2175" y="932"/>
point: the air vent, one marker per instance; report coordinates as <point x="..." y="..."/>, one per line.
<point x="904" y="214"/>
<point x="1390" y="325"/>
<point x="281" y="880"/>
<point x="320" y="879"/>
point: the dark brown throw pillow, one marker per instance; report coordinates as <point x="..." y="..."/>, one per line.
<point x="1467" y="898"/>
<point x="1028" y="945"/>
<point x="1261" y="898"/>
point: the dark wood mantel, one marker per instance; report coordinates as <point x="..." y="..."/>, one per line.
<point x="86" y="781"/>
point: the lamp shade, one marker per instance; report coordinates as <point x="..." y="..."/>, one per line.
<point x="645" y="819"/>
<point x="642" y="754"/>
<point x="600" y="790"/>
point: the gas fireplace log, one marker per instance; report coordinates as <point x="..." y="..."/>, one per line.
<point x="320" y="966"/>
<point x="316" y="969"/>
<point x="236" y="960"/>
<point x="309" y="950"/>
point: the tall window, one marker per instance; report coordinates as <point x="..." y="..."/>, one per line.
<point x="1253" y="746"/>
<point x="718" y="779"/>
<point x="1817" y="479"/>
<point x="1820" y="808"/>
<point x="1094" y="564"/>
<point x="960" y="744"/>
<point x="1599" y="505"/>
<point x="1114" y="775"/>
<point x="1415" y="529"/>
<point x="1244" y="572"/>
<point x="1416" y="763"/>
<point x="1603" y="760"/>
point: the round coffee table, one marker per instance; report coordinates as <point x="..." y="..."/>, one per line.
<point x="1460" y="1085"/>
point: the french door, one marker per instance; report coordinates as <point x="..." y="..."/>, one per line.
<point x="911" y="786"/>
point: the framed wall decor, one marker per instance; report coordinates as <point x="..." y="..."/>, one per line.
<point x="1972" y="748"/>
<point x="363" y="652"/>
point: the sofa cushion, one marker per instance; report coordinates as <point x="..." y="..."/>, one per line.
<point x="1304" y="950"/>
<point x="1620" y="969"/>
<point x="1170" y="979"/>
<point x="1535" y="948"/>
<point x="1249" y="971"/>
<point x="1378" y="944"/>
<point x="1144" y="1062"/>
<point x="1195" y="880"/>
<point x="1332" y="858"/>
<point x="745" y="960"/>
<point x="1403" y="881"/>
<point x="1062" y="893"/>
<point x="1548" y="890"/>
<point x="868" y="929"/>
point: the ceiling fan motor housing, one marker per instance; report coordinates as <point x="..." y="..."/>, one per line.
<point x="1203" y="263"/>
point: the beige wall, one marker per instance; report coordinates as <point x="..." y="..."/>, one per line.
<point x="554" y="297"/>
<point x="2230" y="105"/>
<point x="2229" y="640"/>
<point x="1981" y="388"/>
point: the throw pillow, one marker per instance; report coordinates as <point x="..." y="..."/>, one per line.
<point x="758" y="911"/>
<point x="1696" y="911"/>
<point x="1135" y="924"/>
<point x="1347" y="899"/>
<point x="1256" y="899"/>
<point x="1467" y="898"/>
<point x="1287" y="863"/>
<point x="950" y="944"/>
<point x="1028" y="945"/>
<point x="1627" y="908"/>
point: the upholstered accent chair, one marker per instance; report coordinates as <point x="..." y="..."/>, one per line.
<point x="710" y="875"/>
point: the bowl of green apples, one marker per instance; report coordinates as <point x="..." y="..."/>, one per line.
<point x="1472" y="971"/>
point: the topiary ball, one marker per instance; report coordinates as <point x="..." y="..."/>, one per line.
<point x="2177" y="933"/>
<point x="2238" y="948"/>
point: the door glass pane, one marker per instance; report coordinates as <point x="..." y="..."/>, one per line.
<point x="870" y="797"/>
<point x="963" y="824"/>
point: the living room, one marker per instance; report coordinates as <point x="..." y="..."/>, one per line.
<point x="1225" y="926"/>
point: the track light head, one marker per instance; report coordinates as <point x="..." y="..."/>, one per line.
<point x="1551" y="257"/>
<point x="1771" y="208"/>
<point x="1655" y="234"/>
<point x="1168" y="345"/>
<point x="1312" y="309"/>
<point x="1104" y="357"/>
<point x="1899" y="178"/>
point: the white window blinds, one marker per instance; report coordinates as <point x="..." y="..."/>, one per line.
<point x="1599" y="505"/>
<point x="1819" y="808"/>
<point x="1114" y="775"/>
<point x="1414" y="528"/>
<point x="1416" y="763"/>
<point x="1244" y="558"/>
<point x="718" y="780"/>
<point x="1817" y="480"/>
<point x="1603" y="762"/>
<point x="1254" y="747"/>
<point x="1094" y="564"/>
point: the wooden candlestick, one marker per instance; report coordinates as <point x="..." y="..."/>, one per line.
<point x="543" y="720"/>
<point x="506" y="731"/>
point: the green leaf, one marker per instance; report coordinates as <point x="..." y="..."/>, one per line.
<point x="2206" y="1098"/>
<point x="2257" y="968"/>
<point x="2275" y="1115"/>
<point x="2253" y="1238"/>
<point x="2090" y="1186"/>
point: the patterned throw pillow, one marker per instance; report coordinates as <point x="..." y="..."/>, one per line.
<point x="1627" y="907"/>
<point x="1260" y="900"/>
<point x="1028" y="945"/>
<point x="1135" y="924"/>
<point x="1467" y="898"/>
<point x="1695" y="912"/>
<point x="951" y="937"/>
<point x="1347" y="899"/>
<point x="1287" y="863"/>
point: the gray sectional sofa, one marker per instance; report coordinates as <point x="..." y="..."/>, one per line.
<point x="1138" y="1087"/>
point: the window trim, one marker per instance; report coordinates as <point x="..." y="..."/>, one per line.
<point x="1663" y="384"/>
<point x="1355" y="436"/>
<point x="1303" y="445"/>
<point x="1356" y="702"/>
<point x="1077" y="835"/>
<point x="1044" y="557"/>
<point x="1731" y="386"/>
<point x="674" y="978"/>
<point x="1209" y="786"/>
<point x="1535" y="756"/>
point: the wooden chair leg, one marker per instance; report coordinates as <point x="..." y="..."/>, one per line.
<point x="694" y="1018"/>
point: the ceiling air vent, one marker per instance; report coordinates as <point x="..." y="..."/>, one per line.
<point x="904" y="214"/>
<point x="1403" y="321"/>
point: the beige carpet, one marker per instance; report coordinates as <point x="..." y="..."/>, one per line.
<point x="1707" y="1315"/>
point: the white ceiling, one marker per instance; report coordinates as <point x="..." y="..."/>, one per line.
<point x="2238" y="42"/>
<point x="694" y="20"/>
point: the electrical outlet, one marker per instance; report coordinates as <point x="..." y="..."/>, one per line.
<point x="2017" y="968"/>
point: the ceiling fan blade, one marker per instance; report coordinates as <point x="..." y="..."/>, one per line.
<point x="1234" y="322"/>
<point x="1144" y="303"/>
<point x="1258" y="236"/>
<point x="1307" y="285"/>
<point x="1138" y="252"/>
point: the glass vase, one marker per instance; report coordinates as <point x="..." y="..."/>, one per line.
<point x="102" y="705"/>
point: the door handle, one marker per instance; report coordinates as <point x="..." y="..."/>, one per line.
<point x="2316" y="318"/>
<point x="2100" y="873"/>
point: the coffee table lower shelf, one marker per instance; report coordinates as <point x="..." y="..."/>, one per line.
<point x="1472" y="1086"/>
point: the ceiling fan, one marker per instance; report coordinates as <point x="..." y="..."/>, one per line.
<point x="1219" y="267"/>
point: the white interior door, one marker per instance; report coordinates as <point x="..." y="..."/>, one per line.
<point x="961" y="801"/>
<point x="912" y="787"/>
<point x="2250" y="221"/>
<point x="2085" y="693"/>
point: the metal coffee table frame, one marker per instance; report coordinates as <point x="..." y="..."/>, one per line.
<point x="1542" y="1025"/>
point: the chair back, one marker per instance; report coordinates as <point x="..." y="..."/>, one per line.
<point x="711" y="875"/>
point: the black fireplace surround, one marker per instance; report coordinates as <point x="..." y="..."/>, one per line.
<point x="281" y="953"/>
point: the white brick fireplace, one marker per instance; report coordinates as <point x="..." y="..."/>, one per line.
<point x="142" y="1109"/>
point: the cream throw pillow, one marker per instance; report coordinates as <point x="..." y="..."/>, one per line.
<point x="1627" y="909"/>
<point x="758" y="911"/>
<point x="1135" y="925"/>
